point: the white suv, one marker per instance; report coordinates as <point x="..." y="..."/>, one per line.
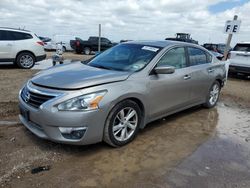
<point x="21" y="47"/>
<point x="240" y="59"/>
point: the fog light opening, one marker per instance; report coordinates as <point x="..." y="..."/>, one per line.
<point x="74" y="133"/>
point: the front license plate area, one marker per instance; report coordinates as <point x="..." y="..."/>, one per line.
<point x="25" y="113"/>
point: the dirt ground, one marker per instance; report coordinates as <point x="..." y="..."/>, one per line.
<point x="195" y="148"/>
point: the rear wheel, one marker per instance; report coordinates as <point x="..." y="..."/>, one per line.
<point x="87" y="51"/>
<point x="122" y="124"/>
<point x="25" y="60"/>
<point x="213" y="95"/>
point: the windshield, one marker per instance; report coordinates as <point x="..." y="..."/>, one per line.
<point x="242" y="47"/>
<point x="125" y="57"/>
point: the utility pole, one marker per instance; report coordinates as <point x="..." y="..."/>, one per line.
<point x="99" y="39"/>
<point x="228" y="42"/>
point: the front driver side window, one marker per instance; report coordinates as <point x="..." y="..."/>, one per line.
<point x="175" y="57"/>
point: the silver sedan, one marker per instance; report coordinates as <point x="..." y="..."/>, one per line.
<point x="110" y="97"/>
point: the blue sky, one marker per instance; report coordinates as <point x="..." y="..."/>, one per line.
<point x="226" y="5"/>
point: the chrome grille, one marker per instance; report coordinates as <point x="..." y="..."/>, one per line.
<point x="34" y="99"/>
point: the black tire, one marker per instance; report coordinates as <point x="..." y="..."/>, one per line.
<point x="209" y="103"/>
<point x="108" y="136"/>
<point x="25" y="55"/>
<point x="87" y="50"/>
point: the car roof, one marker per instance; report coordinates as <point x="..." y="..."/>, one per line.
<point x="243" y="43"/>
<point x="15" y="29"/>
<point x="162" y="43"/>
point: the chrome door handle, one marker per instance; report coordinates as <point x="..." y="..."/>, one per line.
<point x="9" y="44"/>
<point x="210" y="70"/>
<point x="187" y="77"/>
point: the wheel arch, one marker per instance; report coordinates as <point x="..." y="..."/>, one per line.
<point x="25" y="51"/>
<point x="138" y="101"/>
<point x="220" y="80"/>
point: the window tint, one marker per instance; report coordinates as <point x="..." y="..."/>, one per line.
<point x="242" y="47"/>
<point x="104" y="40"/>
<point x="209" y="58"/>
<point x="20" y="36"/>
<point x="13" y="35"/>
<point x="93" y="38"/>
<point x="197" y="56"/>
<point x="175" y="57"/>
<point x="5" y="35"/>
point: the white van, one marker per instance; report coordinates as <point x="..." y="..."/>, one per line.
<point x="65" y="39"/>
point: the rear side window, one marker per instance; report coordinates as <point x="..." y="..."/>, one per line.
<point x="13" y="35"/>
<point x="5" y="35"/>
<point x="242" y="47"/>
<point x="175" y="57"/>
<point x="20" y="36"/>
<point x="197" y="56"/>
<point x="104" y="40"/>
<point x="93" y="38"/>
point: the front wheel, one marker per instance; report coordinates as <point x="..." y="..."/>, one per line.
<point x="122" y="124"/>
<point x="213" y="95"/>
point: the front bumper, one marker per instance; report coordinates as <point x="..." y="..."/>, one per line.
<point x="46" y="120"/>
<point x="239" y="69"/>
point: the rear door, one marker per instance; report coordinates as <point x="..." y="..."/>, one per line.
<point x="6" y="45"/>
<point x="170" y="92"/>
<point x="202" y="73"/>
<point x="93" y="42"/>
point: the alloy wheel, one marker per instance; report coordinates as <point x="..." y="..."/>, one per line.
<point x="214" y="94"/>
<point x="125" y="124"/>
<point x="26" y="61"/>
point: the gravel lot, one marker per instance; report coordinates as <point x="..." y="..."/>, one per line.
<point x="195" y="148"/>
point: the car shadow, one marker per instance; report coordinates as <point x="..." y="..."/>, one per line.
<point x="8" y="66"/>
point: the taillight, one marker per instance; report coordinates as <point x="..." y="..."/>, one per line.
<point x="40" y="43"/>
<point x="77" y="43"/>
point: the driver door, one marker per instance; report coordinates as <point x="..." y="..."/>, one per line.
<point x="170" y="92"/>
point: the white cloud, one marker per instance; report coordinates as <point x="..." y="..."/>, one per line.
<point x="124" y="19"/>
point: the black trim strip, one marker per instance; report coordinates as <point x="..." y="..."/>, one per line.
<point x="7" y="60"/>
<point x="73" y="89"/>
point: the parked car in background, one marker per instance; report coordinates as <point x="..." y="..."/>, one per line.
<point x="50" y="44"/>
<point x="220" y="48"/>
<point x="183" y="37"/>
<point x="21" y="47"/>
<point x="218" y="55"/>
<point x="239" y="59"/>
<point x="90" y="45"/>
<point x="119" y="91"/>
<point x="44" y="39"/>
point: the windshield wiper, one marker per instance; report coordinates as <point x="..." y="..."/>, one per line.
<point x="101" y="67"/>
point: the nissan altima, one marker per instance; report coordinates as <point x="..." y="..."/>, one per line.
<point x="114" y="95"/>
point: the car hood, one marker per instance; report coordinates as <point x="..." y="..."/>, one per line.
<point x="76" y="76"/>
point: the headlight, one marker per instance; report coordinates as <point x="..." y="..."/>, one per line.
<point x="83" y="102"/>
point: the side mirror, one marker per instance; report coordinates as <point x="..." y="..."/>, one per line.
<point x="164" y="70"/>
